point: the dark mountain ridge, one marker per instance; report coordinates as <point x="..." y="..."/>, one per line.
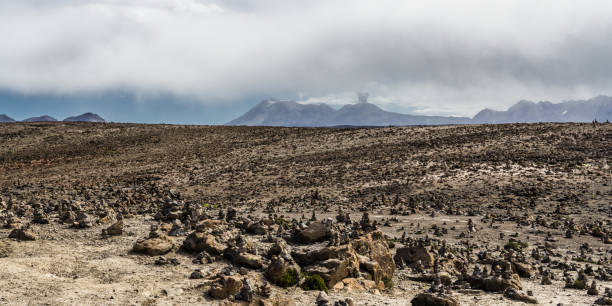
<point x="86" y="117"/>
<point x="43" y="118"/>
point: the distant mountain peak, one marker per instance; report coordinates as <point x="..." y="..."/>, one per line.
<point x="43" y="118"/>
<point x="283" y="112"/>
<point x="86" y="117"/>
<point x="6" y="119"/>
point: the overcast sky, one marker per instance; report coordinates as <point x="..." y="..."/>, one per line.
<point x="428" y="57"/>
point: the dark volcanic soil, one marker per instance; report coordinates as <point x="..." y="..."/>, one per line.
<point x="544" y="187"/>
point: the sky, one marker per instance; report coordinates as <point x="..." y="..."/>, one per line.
<point x="207" y="62"/>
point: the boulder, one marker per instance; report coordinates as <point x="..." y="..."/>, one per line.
<point x="109" y="216"/>
<point x="198" y="242"/>
<point x="444" y="277"/>
<point x="432" y="299"/>
<point x="410" y="256"/>
<point x="278" y="300"/>
<point x="82" y="220"/>
<point x="349" y="284"/>
<point x="523" y="269"/>
<point x="604" y="300"/>
<point x="243" y="259"/>
<point x="246" y="292"/>
<point x="23" y="234"/>
<point x="322" y="299"/>
<point x="176" y="230"/>
<point x="280" y="248"/>
<point x="373" y="269"/>
<point x="208" y="224"/>
<point x="374" y="247"/>
<point x="316" y="231"/>
<point x="370" y="284"/>
<point x="256" y="228"/>
<point x="332" y="263"/>
<point x="495" y="283"/>
<point x="154" y="246"/>
<point x="225" y="286"/>
<point x="278" y="268"/>
<point x="116" y="229"/>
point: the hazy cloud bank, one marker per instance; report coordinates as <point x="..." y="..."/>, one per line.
<point x="451" y="57"/>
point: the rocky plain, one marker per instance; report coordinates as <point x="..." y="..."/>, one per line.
<point x="128" y="214"/>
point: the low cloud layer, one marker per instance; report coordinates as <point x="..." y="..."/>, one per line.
<point x="434" y="57"/>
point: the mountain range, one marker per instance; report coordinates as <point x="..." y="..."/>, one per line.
<point x="598" y="108"/>
<point x="87" y="117"/>
<point x="291" y="113"/>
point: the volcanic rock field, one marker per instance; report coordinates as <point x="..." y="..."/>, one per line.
<point x="132" y="214"/>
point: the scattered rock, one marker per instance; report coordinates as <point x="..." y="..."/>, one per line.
<point x="116" y="229"/>
<point x="196" y="274"/>
<point x="322" y="299"/>
<point x="514" y="294"/>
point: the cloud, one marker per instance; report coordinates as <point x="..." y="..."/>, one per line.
<point x="438" y="57"/>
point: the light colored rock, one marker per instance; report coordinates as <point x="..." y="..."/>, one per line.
<point x="154" y="246"/>
<point x="374" y="247"/>
<point x="199" y="241"/>
<point x="248" y="260"/>
<point x="352" y="284"/>
<point x="370" y="284"/>
<point x="338" y="286"/>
